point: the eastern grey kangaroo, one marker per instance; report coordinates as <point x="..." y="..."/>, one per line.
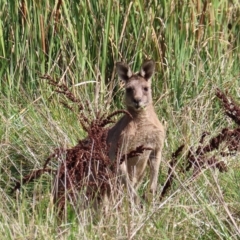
<point x="143" y="128"/>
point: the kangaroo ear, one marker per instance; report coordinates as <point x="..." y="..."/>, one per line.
<point x="147" y="69"/>
<point x="124" y="71"/>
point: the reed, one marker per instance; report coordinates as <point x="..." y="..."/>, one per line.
<point x="195" y="44"/>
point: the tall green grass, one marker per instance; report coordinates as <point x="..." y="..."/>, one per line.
<point x="196" y="47"/>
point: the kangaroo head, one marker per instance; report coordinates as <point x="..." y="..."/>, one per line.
<point x="138" y="94"/>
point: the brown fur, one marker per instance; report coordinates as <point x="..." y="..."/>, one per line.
<point x="143" y="128"/>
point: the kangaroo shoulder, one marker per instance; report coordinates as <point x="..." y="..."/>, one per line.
<point x="117" y="129"/>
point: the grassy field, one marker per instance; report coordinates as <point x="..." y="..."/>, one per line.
<point x="196" y="48"/>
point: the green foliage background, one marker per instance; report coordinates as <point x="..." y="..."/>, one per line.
<point x="196" y="48"/>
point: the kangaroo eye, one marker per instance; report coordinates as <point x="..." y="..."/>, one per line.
<point x="129" y="89"/>
<point x="145" y="89"/>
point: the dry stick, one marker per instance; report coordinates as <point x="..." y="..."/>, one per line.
<point x="139" y="150"/>
<point x="67" y="69"/>
<point x="232" y="110"/>
<point x="35" y="174"/>
<point x="23" y="10"/>
<point x="226" y="207"/>
<point x="162" y="204"/>
<point x="171" y="169"/>
<point x="42" y="34"/>
<point x="119" y="43"/>
<point x="76" y="165"/>
<point x="201" y="21"/>
<point x="32" y="176"/>
<point x="124" y="24"/>
<point x="152" y="213"/>
<point x="63" y="89"/>
<point x="160" y="44"/>
<point x="57" y="15"/>
<point x="197" y="160"/>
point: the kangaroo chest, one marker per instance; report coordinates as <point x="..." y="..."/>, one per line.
<point x="133" y="136"/>
<point x="137" y="134"/>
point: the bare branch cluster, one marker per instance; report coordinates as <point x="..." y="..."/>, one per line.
<point x="198" y="159"/>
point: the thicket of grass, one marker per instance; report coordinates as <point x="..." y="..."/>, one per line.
<point x="196" y="48"/>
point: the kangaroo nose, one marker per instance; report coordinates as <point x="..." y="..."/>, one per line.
<point x="137" y="100"/>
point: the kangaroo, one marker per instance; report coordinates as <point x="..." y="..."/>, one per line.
<point x="141" y="128"/>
